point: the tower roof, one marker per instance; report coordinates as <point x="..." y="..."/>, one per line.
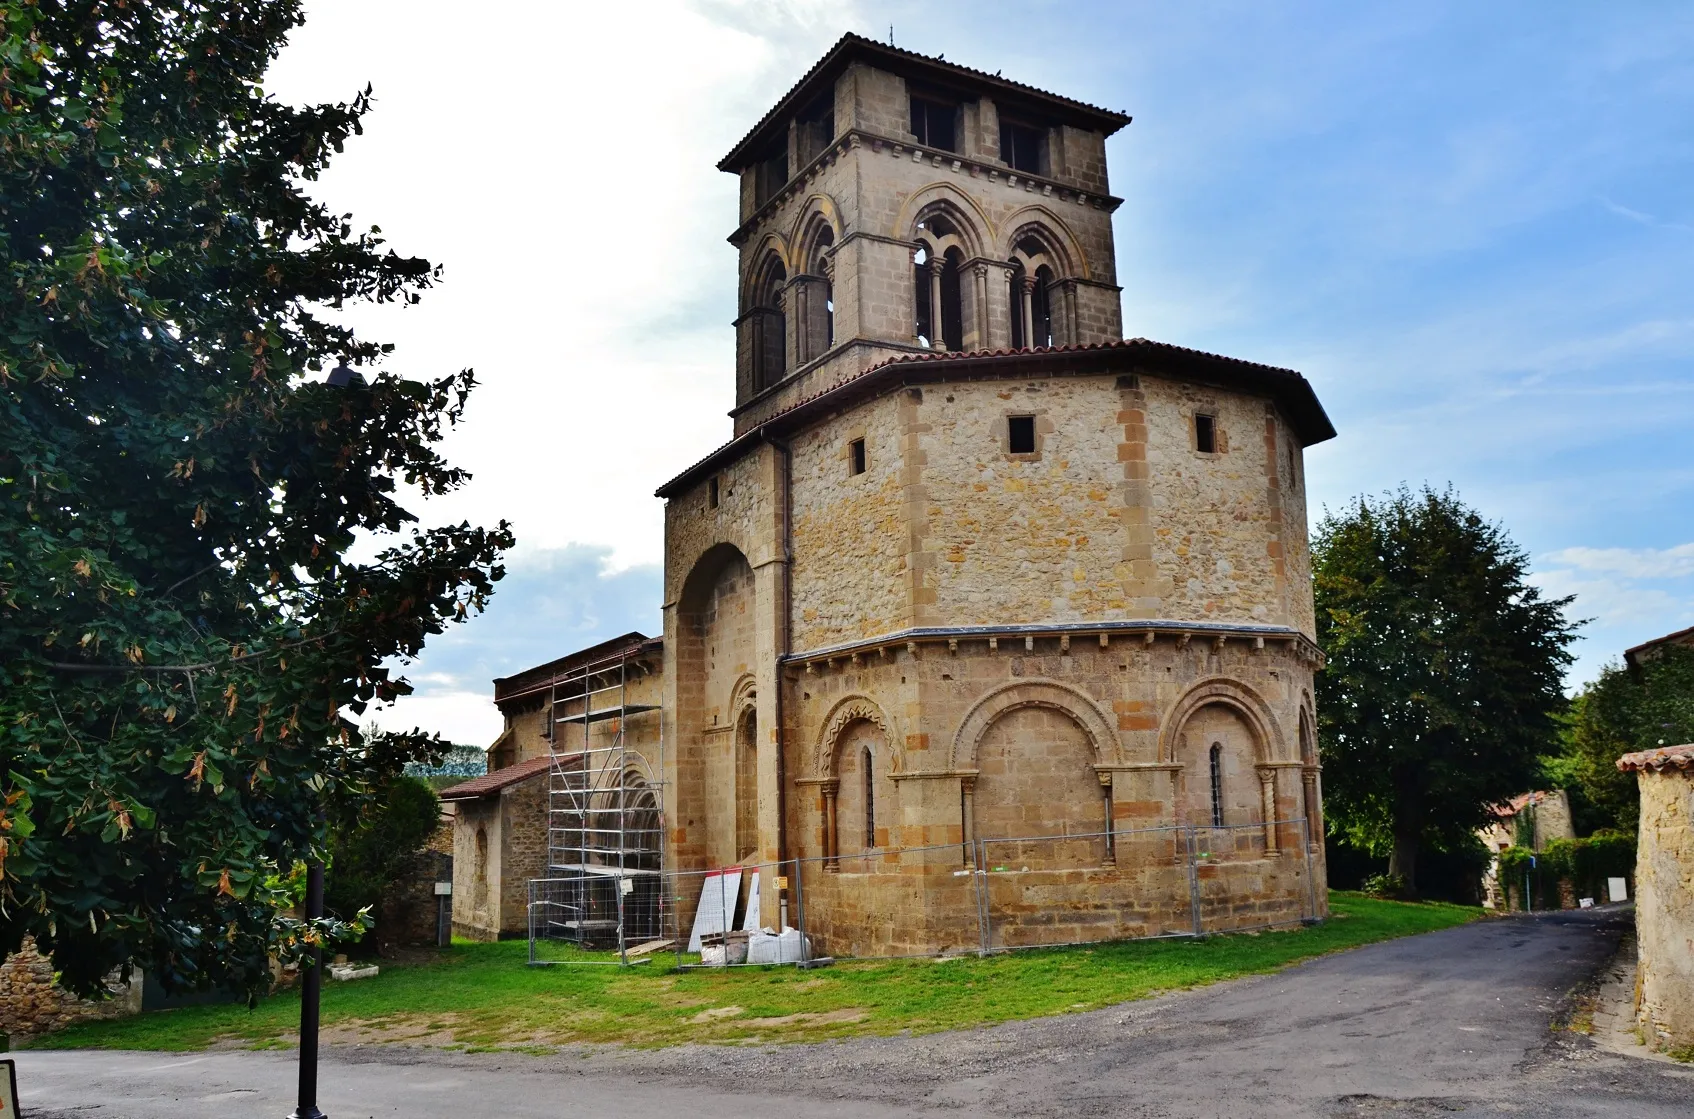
<point x="852" y="48"/>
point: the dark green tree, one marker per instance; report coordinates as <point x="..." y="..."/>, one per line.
<point x="183" y="621"/>
<point x="1442" y="685"/>
<point x="1624" y="710"/>
<point x="372" y="839"/>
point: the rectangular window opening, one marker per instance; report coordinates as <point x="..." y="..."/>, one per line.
<point x="712" y="494"/>
<point x="1020" y="435"/>
<point x="770" y="176"/>
<point x="1020" y="147"/>
<point x="1205" y="433"/>
<point x="934" y="124"/>
<point x="857" y="456"/>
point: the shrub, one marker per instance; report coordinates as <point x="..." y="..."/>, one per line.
<point x="1386" y="886"/>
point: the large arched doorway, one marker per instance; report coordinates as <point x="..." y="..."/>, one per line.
<point x="714" y="652"/>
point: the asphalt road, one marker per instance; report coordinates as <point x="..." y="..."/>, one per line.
<point x="1454" y="1021"/>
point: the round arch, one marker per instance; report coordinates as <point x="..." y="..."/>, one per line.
<point x="846" y="712"/>
<point x="1268" y="739"/>
<point x="1061" y="247"/>
<point x="1063" y="698"/>
<point x="697" y="584"/>
<point x="817" y="215"/>
<point x="975" y="229"/>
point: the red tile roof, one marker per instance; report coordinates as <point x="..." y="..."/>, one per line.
<point x="490" y="783"/>
<point x="1290" y="389"/>
<point x="1636" y="653"/>
<point x="1662" y="760"/>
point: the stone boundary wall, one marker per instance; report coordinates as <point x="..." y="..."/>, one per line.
<point x="31" y="1003"/>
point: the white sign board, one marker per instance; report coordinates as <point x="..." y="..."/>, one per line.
<point x="719" y="892"/>
<point x="8" y="1090"/>
<point x="751" y="920"/>
<point x="1617" y="889"/>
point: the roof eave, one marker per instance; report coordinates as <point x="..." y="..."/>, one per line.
<point x="1291" y="391"/>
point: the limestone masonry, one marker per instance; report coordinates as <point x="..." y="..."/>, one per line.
<point x="974" y="577"/>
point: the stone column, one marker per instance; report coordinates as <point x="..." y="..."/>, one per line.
<point x="967" y="824"/>
<point x="1028" y="311"/>
<point x="1267" y="791"/>
<point x="980" y="288"/>
<point x="1105" y="777"/>
<point x="1312" y="811"/>
<point x="831" y="841"/>
<point x="936" y="341"/>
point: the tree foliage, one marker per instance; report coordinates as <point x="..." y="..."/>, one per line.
<point x="1625" y="710"/>
<point x="1443" y="676"/>
<point x="373" y="839"/>
<point x="184" y="623"/>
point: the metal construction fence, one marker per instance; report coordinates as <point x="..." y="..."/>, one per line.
<point x="980" y="896"/>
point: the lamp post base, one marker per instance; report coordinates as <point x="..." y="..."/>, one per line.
<point x="307" y="1113"/>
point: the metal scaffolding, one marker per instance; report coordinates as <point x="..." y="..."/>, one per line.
<point x="605" y="833"/>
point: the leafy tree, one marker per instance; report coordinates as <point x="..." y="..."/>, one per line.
<point x="184" y="620"/>
<point x="1443" y="676"/>
<point x="1624" y="710"/>
<point x="371" y="841"/>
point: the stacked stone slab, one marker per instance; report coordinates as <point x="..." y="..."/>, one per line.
<point x="1664" y="895"/>
<point x="32" y="1002"/>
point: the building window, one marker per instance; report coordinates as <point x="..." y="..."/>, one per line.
<point x="816" y="127"/>
<point x="935" y="124"/>
<point x="1205" y="433"/>
<point x="1020" y="147"/>
<point x="856" y="456"/>
<point x="1217" y="784"/>
<point x="770" y="175"/>
<point x="1020" y="435"/>
<point x="870" y="803"/>
<point x="712" y="494"/>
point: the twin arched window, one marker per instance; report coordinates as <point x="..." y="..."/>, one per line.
<point x="940" y="291"/>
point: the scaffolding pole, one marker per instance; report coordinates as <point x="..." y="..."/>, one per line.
<point x="605" y="814"/>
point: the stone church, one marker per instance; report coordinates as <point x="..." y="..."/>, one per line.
<point x="973" y="566"/>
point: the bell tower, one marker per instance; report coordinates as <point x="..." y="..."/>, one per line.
<point x="893" y="204"/>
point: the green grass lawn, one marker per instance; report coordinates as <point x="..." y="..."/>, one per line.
<point x="482" y="996"/>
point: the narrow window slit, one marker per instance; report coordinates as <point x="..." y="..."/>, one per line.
<point x="1020" y="435"/>
<point x="1205" y="433"/>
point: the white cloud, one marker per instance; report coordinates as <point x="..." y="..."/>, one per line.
<point x="1631" y="563"/>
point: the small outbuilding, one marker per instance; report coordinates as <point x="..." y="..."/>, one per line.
<point x="1664" y="895"/>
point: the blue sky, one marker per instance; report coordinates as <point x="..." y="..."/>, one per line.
<point x="1471" y="226"/>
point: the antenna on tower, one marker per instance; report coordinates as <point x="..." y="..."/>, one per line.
<point x="891" y="34"/>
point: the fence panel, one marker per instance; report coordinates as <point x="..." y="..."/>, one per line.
<point x="1044" y="891"/>
<point x="594" y="917"/>
<point x="740" y="916"/>
<point x="887" y="903"/>
<point x="1252" y="876"/>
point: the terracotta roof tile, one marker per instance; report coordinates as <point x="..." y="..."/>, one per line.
<point x="1662" y="760"/>
<point x="490" y="783"/>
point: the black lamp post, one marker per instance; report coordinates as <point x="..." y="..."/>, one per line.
<point x="311" y="978"/>
<point x="311" y="986"/>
